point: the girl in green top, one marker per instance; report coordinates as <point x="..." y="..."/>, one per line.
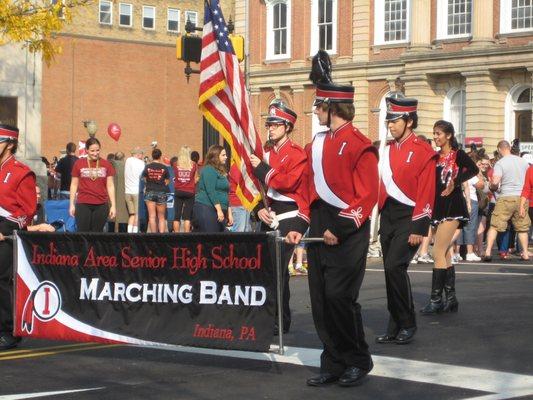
<point x="211" y="210"/>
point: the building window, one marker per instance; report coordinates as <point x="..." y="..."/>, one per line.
<point x="324" y="23"/>
<point x="454" y="18"/>
<point x="106" y="12"/>
<point x="455" y="112"/>
<point x="148" y="17"/>
<point x="516" y="16"/>
<point x="391" y="21"/>
<point x="278" y="28"/>
<point x="125" y="13"/>
<point x="9" y="110"/>
<point x="173" y="20"/>
<point x="191" y="16"/>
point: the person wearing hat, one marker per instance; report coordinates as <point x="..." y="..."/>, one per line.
<point x="343" y="187"/>
<point x="281" y="171"/>
<point x="406" y="199"/>
<point x="18" y="204"/>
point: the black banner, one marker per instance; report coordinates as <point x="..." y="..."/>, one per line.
<point x="205" y="290"/>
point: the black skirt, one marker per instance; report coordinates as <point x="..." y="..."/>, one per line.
<point x="451" y="207"/>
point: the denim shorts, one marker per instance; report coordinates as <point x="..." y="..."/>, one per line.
<point x="157" y="197"/>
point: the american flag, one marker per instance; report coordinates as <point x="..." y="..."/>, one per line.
<point x="224" y="100"/>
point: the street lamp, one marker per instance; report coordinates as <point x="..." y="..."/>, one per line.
<point x="91" y="127"/>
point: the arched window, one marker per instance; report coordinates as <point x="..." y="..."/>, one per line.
<point x="518" y="114"/>
<point x="455" y="112"/>
<point x="278" y="29"/>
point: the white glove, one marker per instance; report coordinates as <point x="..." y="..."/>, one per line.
<point x="275" y="223"/>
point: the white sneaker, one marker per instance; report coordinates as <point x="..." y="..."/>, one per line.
<point x="415" y="259"/>
<point x="472" y="257"/>
<point x="456" y="258"/>
<point x="425" y="259"/>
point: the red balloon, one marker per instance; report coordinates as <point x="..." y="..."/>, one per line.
<point x="166" y="160"/>
<point x="114" y="131"/>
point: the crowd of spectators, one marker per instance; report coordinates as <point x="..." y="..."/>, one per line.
<point x="500" y="204"/>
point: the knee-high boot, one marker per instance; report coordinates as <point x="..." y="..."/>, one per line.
<point x="450" y="303"/>
<point x="436" y="302"/>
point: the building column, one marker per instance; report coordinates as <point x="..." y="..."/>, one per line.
<point x="362" y="105"/>
<point x="484" y="109"/>
<point x="429" y="103"/>
<point x="482" y="17"/>
<point x="420" y="26"/>
<point x="361" y="31"/>
<point x="301" y="133"/>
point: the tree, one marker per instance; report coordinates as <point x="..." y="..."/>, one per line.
<point x="34" y="23"/>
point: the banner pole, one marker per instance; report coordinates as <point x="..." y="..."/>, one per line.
<point x="14" y="238"/>
<point x="279" y="291"/>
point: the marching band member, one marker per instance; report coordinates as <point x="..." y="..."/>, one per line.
<point x="282" y="172"/>
<point x="18" y="204"/>
<point x="343" y="187"/>
<point x="406" y="198"/>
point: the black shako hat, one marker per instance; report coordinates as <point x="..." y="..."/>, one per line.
<point x="279" y="113"/>
<point x="330" y="93"/>
<point x="8" y="132"/>
<point x="400" y="108"/>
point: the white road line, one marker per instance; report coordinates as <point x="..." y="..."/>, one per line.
<point x="530" y="264"/>
<point x="499" y="385"/>
<point x="462" y="272"/>
<point x="22" y="396"/>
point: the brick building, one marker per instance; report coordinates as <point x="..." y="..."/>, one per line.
<point x="118" y="64"/>
<point x="467" y="61"/>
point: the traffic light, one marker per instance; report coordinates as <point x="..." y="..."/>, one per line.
<point x="189" y="48"/>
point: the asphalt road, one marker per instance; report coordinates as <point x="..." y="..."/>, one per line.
<point x="484" y="351"/>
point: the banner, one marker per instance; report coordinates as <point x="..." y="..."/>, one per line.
<point x="204" y="290"/>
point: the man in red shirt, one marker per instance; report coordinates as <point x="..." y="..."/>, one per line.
<point x="406" y="199"/>
<point x="343" y="187"/>
<point x="18" y="203"/>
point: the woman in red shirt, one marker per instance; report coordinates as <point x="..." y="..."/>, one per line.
<point x="184" y="182"/>
<point x="527" y="192"/>
<point x="92" y="190"/>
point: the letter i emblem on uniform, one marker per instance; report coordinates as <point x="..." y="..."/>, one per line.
<point x="409" y="157"/>
<point x="7" y="177"/>
<point x="342" y="148"/>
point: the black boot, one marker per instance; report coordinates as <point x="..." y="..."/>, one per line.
<point x="436" y="303"/>
<point x="450" y="303"/>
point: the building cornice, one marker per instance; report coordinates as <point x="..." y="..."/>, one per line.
<point x="111" y="39"/>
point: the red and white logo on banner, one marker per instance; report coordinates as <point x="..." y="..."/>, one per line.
<point x="43" y="303"/>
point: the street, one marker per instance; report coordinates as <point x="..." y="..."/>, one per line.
<point x="484" y="351"/>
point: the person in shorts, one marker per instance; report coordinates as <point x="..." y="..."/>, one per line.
<point x="156" y="176"/>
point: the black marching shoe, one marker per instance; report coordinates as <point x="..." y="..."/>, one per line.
<point x="353" y="375"/>
<point x="386" y="339"/>
<point x="405" y="335"/>
<point x="322" y="379"/>
<point x="436" y="303"/>
<point x="9" y="341"/>
<point x="450" y="302"/>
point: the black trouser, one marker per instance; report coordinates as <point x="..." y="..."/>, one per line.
<point x="91" y="217"/>
<point x="285" y="226"/>
<point x="335" y="277"/>
<point x="6" y="278"/>
<point x="395" y="224"/>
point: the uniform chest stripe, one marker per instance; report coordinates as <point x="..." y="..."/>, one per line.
<point x="321" y="185"/>
<point x="388" y="180"/>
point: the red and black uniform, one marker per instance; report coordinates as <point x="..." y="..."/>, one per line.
<point x="406" y="198"/>
<point x="283" y="174"/>
<point x="18" y="204"/>
<point x="343" y="189"/>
